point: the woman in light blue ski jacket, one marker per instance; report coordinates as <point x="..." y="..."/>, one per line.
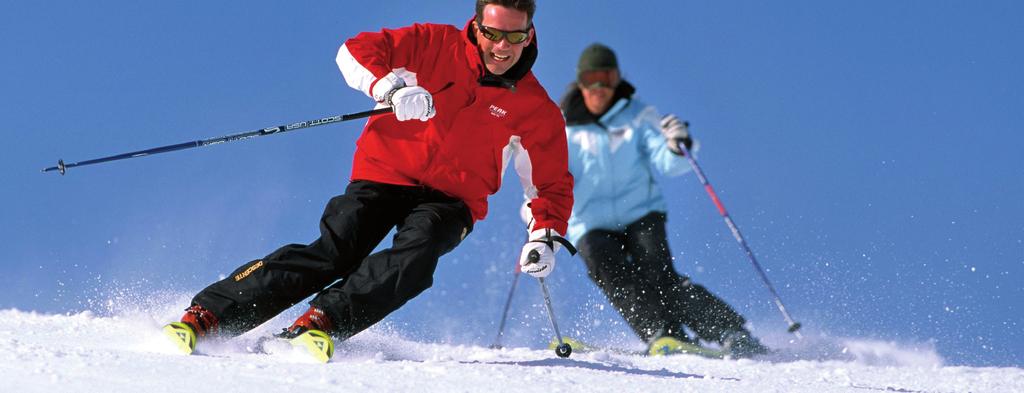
<point x="613" y="159"/>
<point x="616" y="142"/>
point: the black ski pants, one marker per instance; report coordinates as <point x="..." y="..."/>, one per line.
<point x="634" y="270"/>
<point x="429" y="225"/>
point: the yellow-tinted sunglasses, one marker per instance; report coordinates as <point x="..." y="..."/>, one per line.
<point x="496" y="35"/>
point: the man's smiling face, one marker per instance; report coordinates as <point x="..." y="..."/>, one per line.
<point x="499" y="56"/>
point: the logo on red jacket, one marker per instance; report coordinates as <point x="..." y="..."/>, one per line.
<point x="498" y="112"/>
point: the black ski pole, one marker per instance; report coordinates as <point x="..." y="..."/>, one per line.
<point x="793" y="325"/>
<point x="63" y="167"/>
<point x="504" y="313"/>
<point x="563" y="350"/>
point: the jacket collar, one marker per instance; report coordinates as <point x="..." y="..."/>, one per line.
<point x="576" y="112"/>
<point x="509" y="79"/>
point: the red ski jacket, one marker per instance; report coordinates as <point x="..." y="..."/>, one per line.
<point x="483" y="121"/>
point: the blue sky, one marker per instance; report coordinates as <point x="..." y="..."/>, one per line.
<point x="868" y="150"/>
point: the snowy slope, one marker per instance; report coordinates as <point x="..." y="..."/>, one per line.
<point x="87" y="353"/>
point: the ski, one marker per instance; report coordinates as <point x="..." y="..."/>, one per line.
<point x="182" y="336"/>
<point x="313" y="343"/>
<point x="317" y="344"/>
<point x="664" y="346"/>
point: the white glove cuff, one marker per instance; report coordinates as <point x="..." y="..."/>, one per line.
<point x="385" y="87"/>
<point x="526" y="213"/>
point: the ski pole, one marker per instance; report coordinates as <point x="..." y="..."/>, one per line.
<point x="793" y="325"/>
<point x="563" y="350"/>
<point x="508" y="304"/>
<point x="504" y="313"/>
<point x="63" y="167"/>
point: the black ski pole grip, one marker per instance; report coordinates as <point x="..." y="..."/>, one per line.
<point x="533" y="257"/>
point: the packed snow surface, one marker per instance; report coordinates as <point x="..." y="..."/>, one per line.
<point x="84" y="352"/>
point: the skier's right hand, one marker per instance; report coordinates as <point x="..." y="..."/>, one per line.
<point x="543" y="244"/>
<point x="408" y="102"/>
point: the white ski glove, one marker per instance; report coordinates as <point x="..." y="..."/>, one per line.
<point x="543" y="245"/>
<point x="408" y="102"/>
<point x="676" y="131"/>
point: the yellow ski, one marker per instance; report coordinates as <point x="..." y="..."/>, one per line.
<point x="667" y="345"/>
<point x="317" y="343"/>
<point x="182" y="335"/>
<point x="577" y="345"/>
<point x="663" y="346"/>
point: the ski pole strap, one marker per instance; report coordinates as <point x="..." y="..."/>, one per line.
<point x="565" y="243"/>
<point x="550" y="240"/>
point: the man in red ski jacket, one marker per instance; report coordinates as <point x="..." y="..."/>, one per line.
<point x="465" y="105"/>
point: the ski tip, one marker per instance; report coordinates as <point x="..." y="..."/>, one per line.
<point x="182" y="335"/>
<point x="317" y="343"/>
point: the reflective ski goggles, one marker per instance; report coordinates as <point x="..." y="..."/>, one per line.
<point x="599" y="78"/>
<point x="496" y="35"/>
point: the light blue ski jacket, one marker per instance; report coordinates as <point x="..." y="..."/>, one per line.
<point x="613" y="159"/>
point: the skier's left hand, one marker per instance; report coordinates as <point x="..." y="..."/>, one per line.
<point x="546" y="242"/>
<point x="676" y="131"/>
<point x="412" y="102"/>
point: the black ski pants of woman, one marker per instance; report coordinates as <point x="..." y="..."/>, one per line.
<point x="354" y="288"/>
<point x="634" y="269"/>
